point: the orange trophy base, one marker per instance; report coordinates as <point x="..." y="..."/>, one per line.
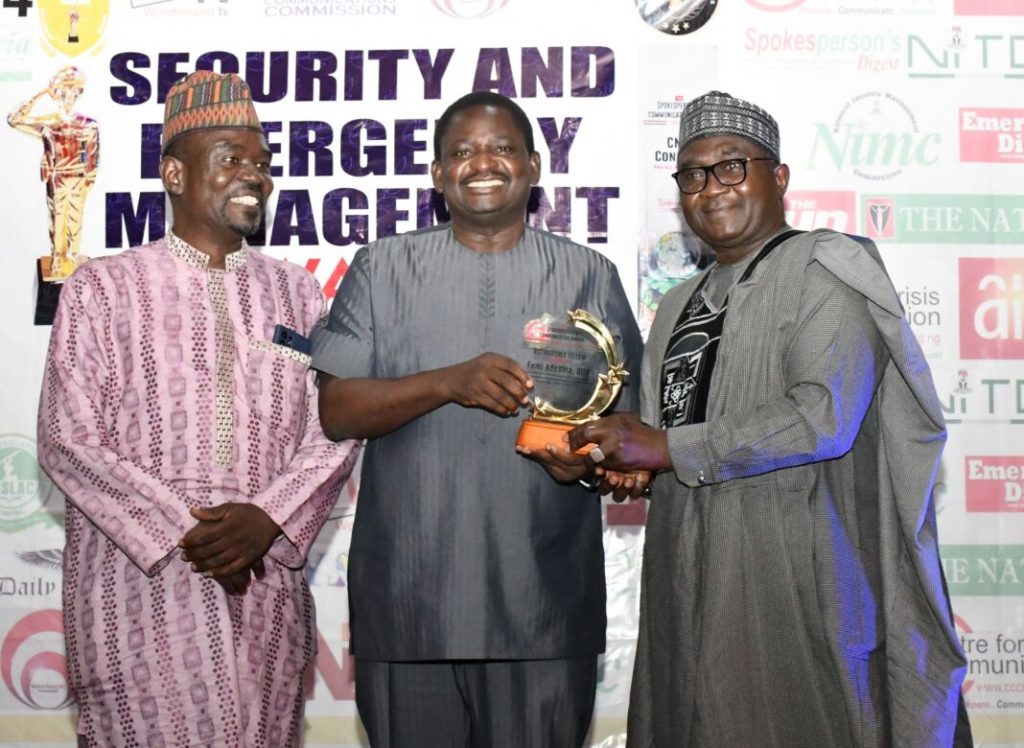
<point x="535" y="433"/>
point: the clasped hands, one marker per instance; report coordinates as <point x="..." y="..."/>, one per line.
<point x="228" y="543"/>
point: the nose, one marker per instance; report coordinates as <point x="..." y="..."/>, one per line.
<point x="482" y="160"/>
<point x="250" y="173"/>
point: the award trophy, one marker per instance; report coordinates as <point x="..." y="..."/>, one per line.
<point x="576" y="372"/>
<point x="68" y="170"/>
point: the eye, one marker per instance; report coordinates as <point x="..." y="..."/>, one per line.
<point x="692" y="175"/>
<point x="733" y="166"/>
<point x="263" y="165"/>
<point x="504" y="149"/>
<point x="230" y="160"/>
<point x="461" y="153"/>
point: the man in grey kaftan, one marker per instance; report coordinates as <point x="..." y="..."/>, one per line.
<point x="792" y="594"/>
<point x="476" y="574"/>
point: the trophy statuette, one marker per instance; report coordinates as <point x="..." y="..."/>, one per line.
<point x="577" y="372"/>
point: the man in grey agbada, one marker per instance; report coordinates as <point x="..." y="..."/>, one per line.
<point x="792" y="594"/>
<point x="476" y="574"/>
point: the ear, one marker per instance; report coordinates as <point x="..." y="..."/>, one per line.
<point x="435" y="174"/>
<point x="172" y="174"/>
<point x="782" y="178"/>
<point x="534" y="168"/>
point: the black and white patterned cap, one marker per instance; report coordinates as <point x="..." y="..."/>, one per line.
<point x="717" y="113"/>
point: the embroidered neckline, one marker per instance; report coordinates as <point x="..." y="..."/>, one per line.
<point x="200" y="260"/>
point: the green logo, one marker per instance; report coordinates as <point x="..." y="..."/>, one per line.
<point x="983" y="570"/>
<point x="24" y="488"/>
<point x="944" y="219"/>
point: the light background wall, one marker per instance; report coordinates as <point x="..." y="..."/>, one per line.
<point x="902" y="120"/>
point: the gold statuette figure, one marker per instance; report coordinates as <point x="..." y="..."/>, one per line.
<point x="71" y="150"/>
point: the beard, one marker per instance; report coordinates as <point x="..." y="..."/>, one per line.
<point x="243" y="222"/>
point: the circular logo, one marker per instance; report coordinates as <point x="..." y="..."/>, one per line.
<point x="876" y="136"/>
<point x="676" y="17"/>
<point x="32" y="661"/>
<point x="469" y="8"/>
<point x="24" y="488"/>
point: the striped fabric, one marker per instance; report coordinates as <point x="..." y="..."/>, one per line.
<point x="792" y="594"/>
<point x="206" y="100"/>
<point x="717" y="113"/>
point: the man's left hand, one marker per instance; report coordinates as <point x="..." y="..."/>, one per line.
<point x="227" y="539"/>
<point x="562" y="465"/>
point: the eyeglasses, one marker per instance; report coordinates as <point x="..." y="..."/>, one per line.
<point x="729" y="173"/>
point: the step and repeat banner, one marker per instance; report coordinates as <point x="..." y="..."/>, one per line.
<point x="902" y="120"/>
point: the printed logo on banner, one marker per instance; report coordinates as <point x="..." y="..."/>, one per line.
<point x="15" y="62"/>
<point x="990" y="400"/>
<point x="24" y="488"/>
<point x="469" y="8"/>
<point x="822" y="209"/>
<point x="875" y="136"/>
<point x="991" y="308"/>
<point x="878" y="215"/>
<point x="922" y="308"/>
<point x="848" y="8"/>
<point x="32" y="661"/>
<point x="666" y="111"/>
<point x="994" y="483"/>
<point x="306" y="9"/>
<point x="994" y="682"/>
<point x="28" y="587"/>
<point x="71" y="28"/>
<point x="794" y="48"/>
<point x="960" y="52"/>
<point x="182" y="8"/>
<point x="988" y="7"/>
<point x="676" y="17"/>
<point x="944" y="219"/>
<point x="984" y="570"/>
<point x="992" y="135"/>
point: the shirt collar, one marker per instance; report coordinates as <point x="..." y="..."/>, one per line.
<point x="200" y="260"/>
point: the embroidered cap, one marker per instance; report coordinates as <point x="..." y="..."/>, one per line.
<point x="717" y="113"/>
<point x="205" y="100"/>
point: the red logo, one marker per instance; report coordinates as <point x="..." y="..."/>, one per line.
<point x="987" y="7"/>
<point x="32" y="661"/>
<point x="992" y="135"/>
<point x="821" y="210"/>
<point x="538" y="331"/>
<point x="994" y="483"/>
<point x="879" y="218"/>
<point x="776" y="6"/>
<point x="991" y="308"/>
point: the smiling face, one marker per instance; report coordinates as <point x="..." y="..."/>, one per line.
<point x="485" y="170"/>
<point x="736" y="220"/>
<point x="219" y="182"/>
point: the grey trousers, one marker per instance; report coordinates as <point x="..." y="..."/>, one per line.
<point x="476" y="704"/>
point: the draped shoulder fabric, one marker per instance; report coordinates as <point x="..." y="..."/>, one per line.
<point x="792" y="594"/>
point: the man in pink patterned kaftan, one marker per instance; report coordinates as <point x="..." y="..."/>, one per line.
<point x="185" y="435"/>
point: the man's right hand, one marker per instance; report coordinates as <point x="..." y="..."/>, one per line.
<point x="490" y="381"/>
<point x="366" y="407"/>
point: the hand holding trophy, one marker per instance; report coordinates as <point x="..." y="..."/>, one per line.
<point x="577" y="372"/>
